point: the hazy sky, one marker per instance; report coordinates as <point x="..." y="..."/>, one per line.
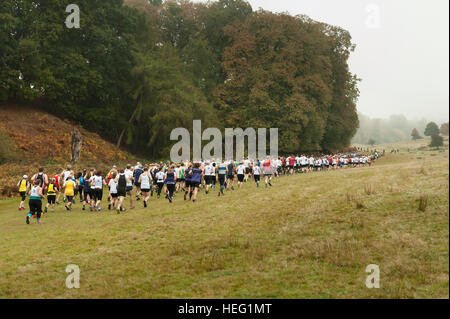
<point x="402" y="51"/>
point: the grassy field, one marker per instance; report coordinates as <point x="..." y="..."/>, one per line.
<point x="310" y="236"/>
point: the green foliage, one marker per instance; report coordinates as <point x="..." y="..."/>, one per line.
<point x="431" y="129"/>
<point x="133" y="72"/>
<point x="283" y="72"/>
<point x="371" y="142"/>
<point x="436" y="141"/>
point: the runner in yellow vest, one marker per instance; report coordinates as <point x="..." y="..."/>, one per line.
<point x="23" y="189"/>
<point x="69" y="187"/>
<point x="52" y="189"/>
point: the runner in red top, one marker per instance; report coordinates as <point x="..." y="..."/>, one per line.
<point x="291" y="160"/>
<point x="56" y="177"/>
<point x="268" y="171"/>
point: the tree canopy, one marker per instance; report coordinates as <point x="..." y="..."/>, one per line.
<point x="133" y="71"/>
<point x="431" y="129"/>
<point x="415" y="134"/>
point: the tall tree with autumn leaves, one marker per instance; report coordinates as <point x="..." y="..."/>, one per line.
<point x="290" y="73"/>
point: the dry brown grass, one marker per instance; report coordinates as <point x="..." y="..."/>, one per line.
<point x="369" y="189"/>
<point x="423" y="202"/>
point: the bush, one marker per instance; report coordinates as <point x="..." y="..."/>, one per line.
<point x="436" y="141"/>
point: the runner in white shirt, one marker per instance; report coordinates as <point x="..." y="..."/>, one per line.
<point x="256" y="174"/>
<point x="213" y="175"/>
<point x="113" y="191"/>
<point x="160" y="175"/>
<point x="97" y="183"/>
<point x="145" y="179"/>
<point x="318" y="164"/>
<point x="311" y="163"/>
<point x="240" y="174"/>
<point x="207" y="176"/>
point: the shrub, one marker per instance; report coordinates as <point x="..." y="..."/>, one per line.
<point x="437" y="141"/>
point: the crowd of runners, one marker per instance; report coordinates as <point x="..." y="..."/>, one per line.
<point x="140" y="182"/>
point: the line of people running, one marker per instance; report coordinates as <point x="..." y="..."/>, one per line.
<point x="165" y="179"/>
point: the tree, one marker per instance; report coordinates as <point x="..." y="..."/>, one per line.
<point x="371" y="142"/>
<point x="431" y="129"/>
<point x="290" y="73"/>
<point x="444" y="129"/>
<point x="76" y="143"/>
<point x="415" y="134"/>
<point x="436" y="141"/>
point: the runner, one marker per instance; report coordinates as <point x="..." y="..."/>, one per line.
<point x="97" y="183"/>
<point x="209" y="175"/>
<point x="160" y="176"/>
<point x="257" y="174"/>
<point x="240" y="174"/>
<point x="181" y="177"/>
<point x="113" y="196"/>
<point x="51" y="195"/>
<point x="65" y="175"/>
<point x="213" y="176"/>
<point x="196" y="178"/>
<point x="129" y="175"/>
<point x="230" y="175"/>
<point x="169" y="181"/>
<point x="188" y="177"/>
<point x="145" y="180"/>
<point x="291" y="162"/>
<point x="57" y="178"/>
<point x="87" y="191"/>
<point x="222" y="172"/>
<point x="122" y="182"/>
<point x="246" y="164"/>
<point x="42" y="178"/>
<point x="35" y="201"/>
<point x="80" y="188"/>
<point x="69" y="191"/>
<point x="23" y="189"/>
<point x="267" y="167"/>
<point x="138" y="170"/>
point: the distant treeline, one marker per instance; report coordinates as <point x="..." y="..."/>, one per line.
<point x="134" y="72"/>
<point x="396" y="128"/>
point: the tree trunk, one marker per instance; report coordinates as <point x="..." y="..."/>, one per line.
<point x="119" y="141"/>
<point x="77" y="140"/>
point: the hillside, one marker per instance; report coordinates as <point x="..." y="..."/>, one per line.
<point x="32" y="138"/>
<point x="305" y="237"/>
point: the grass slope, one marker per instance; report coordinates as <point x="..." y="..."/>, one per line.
<point x="41" y="139"/>
<point x="303" y="238"/>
